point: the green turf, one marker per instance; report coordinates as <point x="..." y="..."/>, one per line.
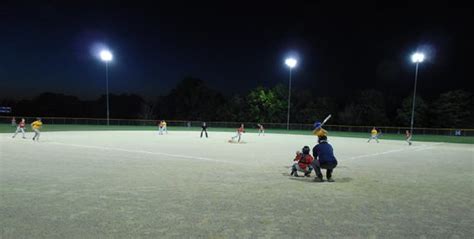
<point x="6" y="128"/>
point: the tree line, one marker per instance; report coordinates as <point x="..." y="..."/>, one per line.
<point x="193" y="100"/>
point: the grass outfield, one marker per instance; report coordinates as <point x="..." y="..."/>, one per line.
<point x="6" y="128"/>
<point x="137" y="184"/>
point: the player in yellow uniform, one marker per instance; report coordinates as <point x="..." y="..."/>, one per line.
<point x="373" y="135"/>
<point x="36" y="125"/>
<point x="318" y="130"/>
<point x="162" y="127"/>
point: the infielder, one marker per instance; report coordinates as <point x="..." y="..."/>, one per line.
<point x="36" y="125"/>
<point x="374" y="135"/>
<point x="20" y="128"/>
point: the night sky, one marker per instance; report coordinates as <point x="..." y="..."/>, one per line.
<point x="49" y="47"/>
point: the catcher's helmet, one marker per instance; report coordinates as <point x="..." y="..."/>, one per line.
<point x="306" y="150"/>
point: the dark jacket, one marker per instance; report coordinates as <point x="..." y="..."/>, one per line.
<point x="324" y="153"/>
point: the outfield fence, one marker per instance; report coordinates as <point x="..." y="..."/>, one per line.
<point x="194" y="124"/>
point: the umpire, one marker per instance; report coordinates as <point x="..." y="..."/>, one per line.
<point x="323" y="158"/>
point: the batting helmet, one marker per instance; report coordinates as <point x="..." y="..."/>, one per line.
<point x="317" y="125"/>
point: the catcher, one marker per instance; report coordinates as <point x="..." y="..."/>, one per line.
<point x="302" y="162"/>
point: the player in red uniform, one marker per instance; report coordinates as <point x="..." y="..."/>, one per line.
<point x="240" y="131"/>
<point x="302" y="162"/>
<point x="20" y="128"/>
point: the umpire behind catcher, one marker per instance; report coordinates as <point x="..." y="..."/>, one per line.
<point x="323" y="158"/>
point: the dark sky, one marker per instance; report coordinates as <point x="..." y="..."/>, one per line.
<point x="48" y="47"/>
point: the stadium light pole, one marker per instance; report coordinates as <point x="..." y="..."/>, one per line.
<point x="106" y="56"/>
<point x="416" y="58"/>
<point x="291" y="63"/>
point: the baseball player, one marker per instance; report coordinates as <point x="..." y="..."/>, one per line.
<point x="302" y="162"/>
<point x="374" y="135"/>
<point x="20" y="128"/>
<point x="323" y="158"/>
<point x="204" y="128"/>
<point x="36" y="125"/>
<point x="239" y="133"/>
<point x="408" y="137"/>
<point x="261" y="130"/>
<point x="318" y="130"/>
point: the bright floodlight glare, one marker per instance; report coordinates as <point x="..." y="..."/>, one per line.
<point x="290" y="62"/>
<point x="417" y="57"/>
<point x="106" y="55"/>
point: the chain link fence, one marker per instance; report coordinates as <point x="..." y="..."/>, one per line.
<point x="190" y="124"/>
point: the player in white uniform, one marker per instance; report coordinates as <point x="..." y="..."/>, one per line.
<point x="261" y="130"/>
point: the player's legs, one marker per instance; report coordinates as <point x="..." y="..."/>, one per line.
<point x="308" y="170"/>
<point x="165" y="129"/>
<point x="23" y="132"/>
<point x="294" y="170"/>
<point x="329" y="174"/>
<point x="329" y="169"/>
<point x="299" y="169"/>
<point x="409" y="140"/>
<point x="377" y="139"/>
<point x="204" y="131"/>
<point x="37" y="135"/>
<point x="317" y="170"/>
<point x="16" y="132"/>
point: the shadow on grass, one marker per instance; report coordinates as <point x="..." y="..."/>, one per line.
<point x="342" y="180"/>
<point x="310" y="179"/>
<point x="338" y="166"/>
<point x="235" y="142"/>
